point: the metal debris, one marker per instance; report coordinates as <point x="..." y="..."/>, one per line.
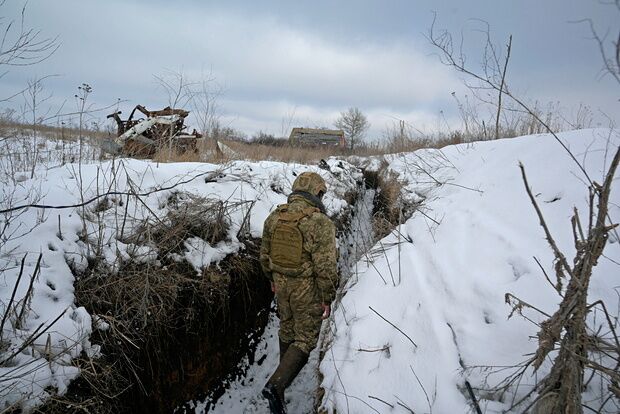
<point x="160" y="129"/>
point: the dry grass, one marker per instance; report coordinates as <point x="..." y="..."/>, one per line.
<point x="390" y="210"/>
<point x="400" y="138"/>
<point x="190" y="216"/>
<point x="172" y="155"/>
<point x="54" y="132"/>
<point x="309" y="155"/>
<point x="206" y="151"/>
<point x="165" y="318"/>
<point x="304" y="155"/>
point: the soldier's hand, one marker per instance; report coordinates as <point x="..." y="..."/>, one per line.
<point x="273" y="287"/>
<point x="327" y="310"/>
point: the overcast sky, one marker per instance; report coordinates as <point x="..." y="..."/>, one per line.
<point x="310" y="60"/>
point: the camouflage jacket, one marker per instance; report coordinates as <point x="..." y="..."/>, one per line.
<point x="319" y="255"/>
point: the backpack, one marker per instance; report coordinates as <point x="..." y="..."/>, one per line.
<point x="287" y="240"/>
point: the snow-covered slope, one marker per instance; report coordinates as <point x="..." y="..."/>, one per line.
<point x="441" y="280"/>
<point x="474" y="240"/>
<point x="34" y="366"/>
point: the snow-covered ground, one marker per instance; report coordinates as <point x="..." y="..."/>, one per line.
<point x="33" y="365"/>
<point x="441" y="277"/>
<point x="473" y="241"/>
<point x="20" y="150"/>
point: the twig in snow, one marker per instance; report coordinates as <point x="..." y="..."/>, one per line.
<point x="59" y="230"/>
<point x="28" y="296"/>
<point x="385" y="348"/>
<point x="404" y="406"/>
<point x="107" y="194"/>
<point x="473" y="397"/>
<point x="356" y="398"/>
<point x="520" y="304"/>
<point x="388" y="263"/>
<point x="558" y="254"/>
<point x="428" y="401"/>
<point x="428" y="217"/>
<point x="380" y="400"/>
<point x="340" y="379"/>
<point x="556" y="287"/>
<point x="35" y="335"/>
<point x="394" y="326"/>
<point x="8" y="306"/>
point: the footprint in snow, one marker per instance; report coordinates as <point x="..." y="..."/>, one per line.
<point x="519" y="267"/>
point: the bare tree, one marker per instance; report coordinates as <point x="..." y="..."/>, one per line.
<point x="354" y="124"/>
<point x="287" y="122"/>
<point x="22" y="45"/>
<point x="180" y="92"/>
<point x="177" y="87"/>
<point x="34" y="96"/>
<point x="204" y="95"/>
<point x="609" y="49"/>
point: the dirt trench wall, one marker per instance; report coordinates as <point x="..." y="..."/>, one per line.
<point x="156" y="365"/>
<point x="202" y="355"/>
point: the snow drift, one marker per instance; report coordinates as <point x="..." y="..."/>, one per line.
<point x="421" y="313"/>
<point x="429" y="313"/>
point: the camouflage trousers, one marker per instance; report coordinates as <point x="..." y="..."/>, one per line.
<point x="300" y="311"/>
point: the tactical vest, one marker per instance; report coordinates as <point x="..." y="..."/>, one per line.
<point x="287" y="254"/>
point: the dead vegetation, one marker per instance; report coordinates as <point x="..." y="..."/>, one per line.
<point x="389" y="207"/>
<point x="163" y="324"/>
<point x="578" y="344"/>
<point x="286" y="153"/>
<point x="577" y="349"/>
<point x="189" y="216"/>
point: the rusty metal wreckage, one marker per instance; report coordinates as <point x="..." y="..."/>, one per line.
<point x="160" y="129"/>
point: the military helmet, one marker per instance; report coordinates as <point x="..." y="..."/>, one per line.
<point x="310" y="182"/>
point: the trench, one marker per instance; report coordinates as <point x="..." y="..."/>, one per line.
<point x="219" y="360"/>
<point x="189" y="356"/>
<point x="201" y="355"/>
<point x="239" y="391"/>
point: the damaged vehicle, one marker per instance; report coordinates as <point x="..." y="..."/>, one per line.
<point x="143" y="137"/>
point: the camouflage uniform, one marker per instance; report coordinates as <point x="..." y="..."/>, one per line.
<point x="300" y="291"/>
<point x="298" y="254"/>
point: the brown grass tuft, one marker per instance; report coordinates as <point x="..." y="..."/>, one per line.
<point x="167" y="322"/>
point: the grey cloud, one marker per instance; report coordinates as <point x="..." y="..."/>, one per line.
<point x="319" y="57"/>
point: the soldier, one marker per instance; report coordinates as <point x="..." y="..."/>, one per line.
<point x="298" y="255"/>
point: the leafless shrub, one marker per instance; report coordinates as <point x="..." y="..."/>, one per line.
<point x="388" y="203"/>
<point x="608" y="49"/>
<point x="22" y="45"/>
<point x="567" y="329"/>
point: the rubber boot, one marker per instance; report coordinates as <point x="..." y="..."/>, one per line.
<point x="283" y="347"/>
<point x="292" y="362"/>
